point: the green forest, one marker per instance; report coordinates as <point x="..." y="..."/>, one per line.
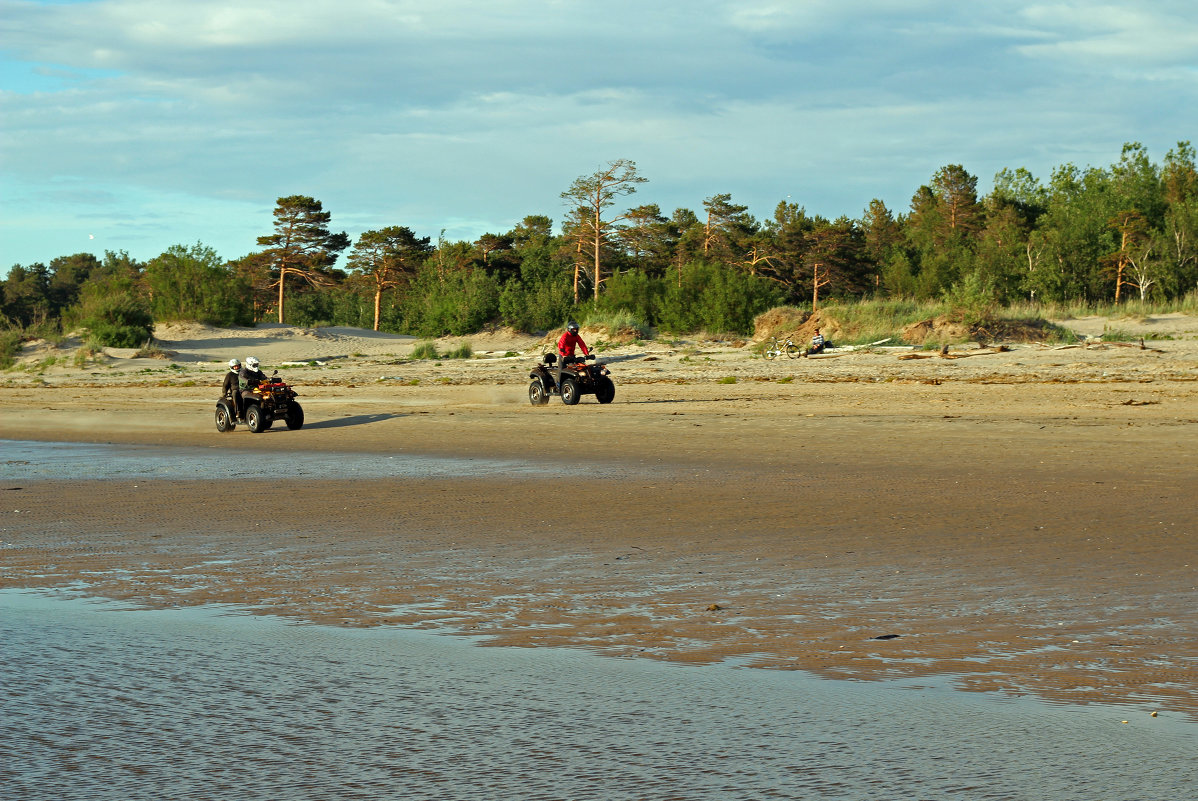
<point x="1088" y="236"/>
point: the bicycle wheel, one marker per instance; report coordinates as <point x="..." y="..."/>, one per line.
<point x="772" y="351"/>
<point x="791" y="350"/>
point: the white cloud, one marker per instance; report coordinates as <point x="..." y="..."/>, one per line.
<point x="437" y="114"/>
<point x="1110" y="36"/>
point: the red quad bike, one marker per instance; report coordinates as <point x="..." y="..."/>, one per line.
<point x="578" y="378"/>
<point x="273" y="399"/>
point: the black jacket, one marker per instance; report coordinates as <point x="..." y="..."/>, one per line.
<point x="230" y="386"/>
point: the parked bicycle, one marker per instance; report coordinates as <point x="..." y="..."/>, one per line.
<point x="782" y="347"/>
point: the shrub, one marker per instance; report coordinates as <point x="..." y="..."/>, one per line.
<point x="425" y="350"/>
<point x="115" y="335"/>
<point x="113" y="314"/>
<point x="10" y="348"/>
<point x="627" y="303"/>
<point x="85" y="354"/>
<point x="619" y="321"/>
<point x="715" y="298"/>
<point x="150" y="350"/>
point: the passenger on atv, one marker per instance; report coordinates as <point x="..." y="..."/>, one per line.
<point x="229" y="389"/>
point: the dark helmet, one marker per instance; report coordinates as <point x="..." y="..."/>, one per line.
<point x="572" y="327"/>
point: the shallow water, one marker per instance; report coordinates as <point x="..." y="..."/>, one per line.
<point x="30" y="461"/>
<point x="102" y="702"/>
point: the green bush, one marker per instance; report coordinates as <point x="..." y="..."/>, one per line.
<point x="628" y="302"/>
<point x="10" y="348"/>
<point x="425" y="350"/>
<point x="715" y="298"/>
<point x="114" y="335"/>
<point x="114" y="314"/>
<point x="620" y="320"/>
<point x="454" y="303"/>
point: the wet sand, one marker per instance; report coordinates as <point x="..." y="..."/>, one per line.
<point x="1024" y="537"/>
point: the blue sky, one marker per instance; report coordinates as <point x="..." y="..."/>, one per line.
<point x="140" y="124"/>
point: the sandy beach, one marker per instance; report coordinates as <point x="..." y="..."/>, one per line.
<point x="1020" y="519"/>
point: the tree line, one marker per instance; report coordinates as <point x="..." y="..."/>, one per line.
<point x="1093" y="235"/>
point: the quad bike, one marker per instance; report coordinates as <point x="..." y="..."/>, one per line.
<point x="272" y="400"/>
<point x="578" y="378"/>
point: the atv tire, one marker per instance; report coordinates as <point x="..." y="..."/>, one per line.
<point x="605" y="390"/>
<point x="225" y="419"/>
<point x="537" y="395"/>
<point x="255" y="420"/>
<point x="569" y="391"/>
<point x="294" y="417"/>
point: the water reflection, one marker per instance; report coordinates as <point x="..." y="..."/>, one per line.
<point x="102" y="704"/>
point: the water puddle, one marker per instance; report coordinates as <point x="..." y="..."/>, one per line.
<point x="107" y="702"/>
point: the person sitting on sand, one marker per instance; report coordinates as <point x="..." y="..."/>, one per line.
<point x="231" y="387"/>
<point x="250" y="377"/>
<point x="817" y="343"/>
<point x="565" y="349"/>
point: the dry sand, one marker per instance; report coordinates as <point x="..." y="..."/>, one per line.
<point x="1023" y="520"/>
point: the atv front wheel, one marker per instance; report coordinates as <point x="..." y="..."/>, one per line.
<point x="294" y="417"/>
<point x="254" y="419"/>
<point x="605" y="390"/>
<point x="537" y="395"/>
<point x="569" y="391"/>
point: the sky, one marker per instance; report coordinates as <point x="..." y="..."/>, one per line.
<point x="136" y="125"/>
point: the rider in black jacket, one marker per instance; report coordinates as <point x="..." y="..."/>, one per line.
<point x="230" y="389"/>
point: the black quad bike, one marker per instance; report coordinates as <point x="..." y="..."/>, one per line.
<point x="272" y="400"/>
<point x="578" y="378"/>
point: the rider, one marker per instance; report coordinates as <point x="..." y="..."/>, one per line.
<point x="817" y="342"/>
<point x="229" y="389"/>
<point x="565" y="349"/>
<point x="250" y="377"/>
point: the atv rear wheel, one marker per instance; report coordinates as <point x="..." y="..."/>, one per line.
<point x="537" y="395"/>
<point x="254" y="419"/>
<point x="569" y="391"/>
<point x="295" y="416"/>
<point x="605" y="390"/>
<point x="225" y="420"/>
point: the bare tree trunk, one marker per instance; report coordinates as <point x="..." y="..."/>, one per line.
<point x="598" y="250"/>
<point x="282" y="280"/>
<point x="577" y="267"/>
<point x="378" y="299"/>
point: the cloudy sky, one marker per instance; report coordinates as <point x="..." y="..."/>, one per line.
<point x="140" y="124"/>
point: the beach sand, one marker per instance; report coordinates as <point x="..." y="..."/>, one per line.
<point x="1021" y="520"/>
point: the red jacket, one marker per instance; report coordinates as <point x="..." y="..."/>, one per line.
<point x="565" y="345"/>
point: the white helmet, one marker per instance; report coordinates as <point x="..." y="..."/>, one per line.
<point x="251" y="363"/>
<point x="234" y="364"/>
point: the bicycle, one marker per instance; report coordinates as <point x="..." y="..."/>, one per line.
<point x="779" y="347"/>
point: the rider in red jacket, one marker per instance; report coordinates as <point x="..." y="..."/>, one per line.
<point x="565" y="349"/>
